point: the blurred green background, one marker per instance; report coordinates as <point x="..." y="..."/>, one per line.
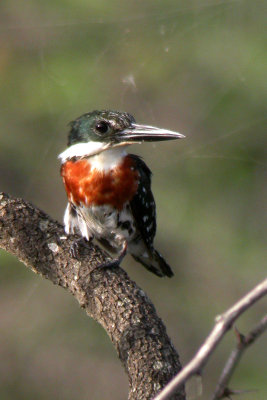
<point x="192" y="66"/>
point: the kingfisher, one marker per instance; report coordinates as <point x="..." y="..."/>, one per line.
<point x="109" y="190"/>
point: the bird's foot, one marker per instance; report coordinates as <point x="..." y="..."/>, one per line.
<point x="77" y="245"/>
<point x="116" y="261"/>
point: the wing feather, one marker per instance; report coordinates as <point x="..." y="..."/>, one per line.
<point x="143" y="204"/>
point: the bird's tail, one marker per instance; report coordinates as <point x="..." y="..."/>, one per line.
<point x="155" y="263"/>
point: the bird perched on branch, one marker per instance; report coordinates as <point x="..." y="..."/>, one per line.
<point x="109" y="190"/>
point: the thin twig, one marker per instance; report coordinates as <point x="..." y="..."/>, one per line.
<point x="222" y="325"/>
<point x="243" y="343"/>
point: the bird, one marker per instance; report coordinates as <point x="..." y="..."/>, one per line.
<point x="109" y="190"/>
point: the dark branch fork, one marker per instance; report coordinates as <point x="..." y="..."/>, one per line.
<point x="243" y="342"/>
<point x="107" y="295"/>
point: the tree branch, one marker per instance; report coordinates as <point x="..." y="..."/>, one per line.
<point x="106" y="294"/>
<point x="244" y="342"/>
<point x="223" y="323"/>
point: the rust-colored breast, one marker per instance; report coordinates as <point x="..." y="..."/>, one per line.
<point x="93" y="187"/>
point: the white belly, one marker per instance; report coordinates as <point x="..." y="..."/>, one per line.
<point x="101" y="222"/>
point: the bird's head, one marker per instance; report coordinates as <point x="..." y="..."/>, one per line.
<point x="97" y="131"/>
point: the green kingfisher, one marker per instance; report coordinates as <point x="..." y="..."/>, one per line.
<point x="109" y="190"/>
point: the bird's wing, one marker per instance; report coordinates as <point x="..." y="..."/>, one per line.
<point x="143" y="205"/>
<point x="144" y="211"/>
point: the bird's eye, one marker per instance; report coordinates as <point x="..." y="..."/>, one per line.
<point x="102" y="126"/>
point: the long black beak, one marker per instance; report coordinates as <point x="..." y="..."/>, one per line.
<point x="145" y="133"/>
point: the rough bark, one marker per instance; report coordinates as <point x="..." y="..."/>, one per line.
<point x="106" y="294"/>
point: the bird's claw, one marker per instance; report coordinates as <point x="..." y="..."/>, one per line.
<point x="116" y="261"/>
<point x="75" y="248"/>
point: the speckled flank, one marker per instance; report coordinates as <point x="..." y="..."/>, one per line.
<point x="94" y="187"/>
